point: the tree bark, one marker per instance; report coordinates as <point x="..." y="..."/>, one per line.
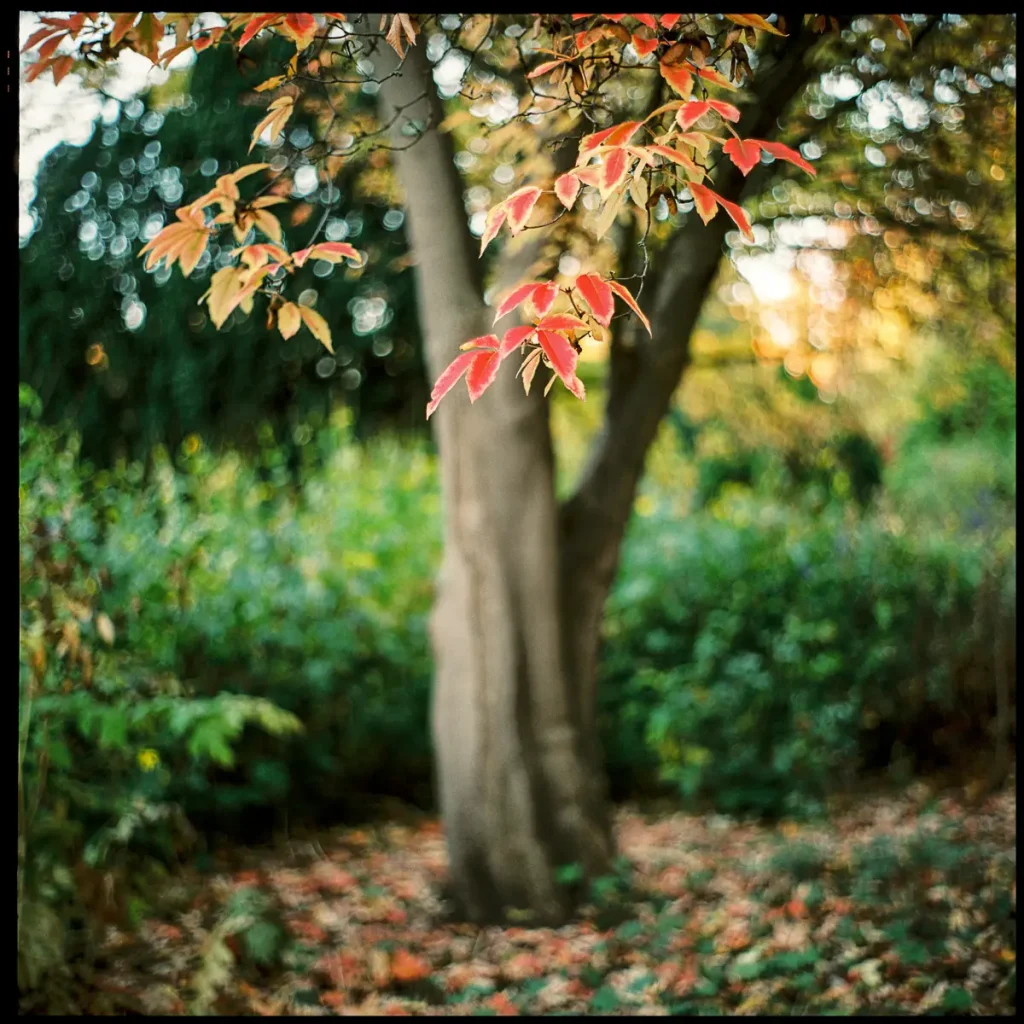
<point x="519" y="795"/>
<point x="523" y="583"/>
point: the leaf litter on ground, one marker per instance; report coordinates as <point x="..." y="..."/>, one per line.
<point x="897" y="905"/>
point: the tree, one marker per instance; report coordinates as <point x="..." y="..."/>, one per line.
<point x="130" y="356"/>
<point x="524" y="578"/>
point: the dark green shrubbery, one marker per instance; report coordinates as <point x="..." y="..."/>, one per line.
<point x="760" y="659"/>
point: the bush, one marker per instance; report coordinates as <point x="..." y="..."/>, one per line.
<point x="763" y="658"/>
<point x="103" y="732"/>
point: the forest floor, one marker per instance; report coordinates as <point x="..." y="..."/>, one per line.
<point x="901" y="904"/>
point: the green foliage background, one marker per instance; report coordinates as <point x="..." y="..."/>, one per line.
<point x="176" y="374"/>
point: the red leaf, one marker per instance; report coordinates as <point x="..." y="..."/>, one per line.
<point x="598" y="296"/>
<point x="513" y="299"/>
<point x="519" y="206"/>
<point x="690" y="113"/>
<point x="449" y="378"/>
<point x="613" y="171"/>
<point x="567" y="188"/>
<point x="514" y="337"/>
<point x="648" y="20"/>
<point x="60" y="67"/>
<point x="781" y="152"/>
<point x="668" y="20"/>
<point x="726" y="110"/>
<point x="261" y="21"/>
<point x="623" y="293"/>
<point x="482" y="372"/>
<point x="644" y="46"/>
<point x="744" y="153"/>
<point x="543" y="297"/>
<point x="562" y="357"/>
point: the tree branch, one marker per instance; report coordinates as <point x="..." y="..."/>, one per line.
<point x="594" y="517"/>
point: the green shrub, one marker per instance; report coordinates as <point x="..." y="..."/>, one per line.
<point x="765" y="658"/>
<point x="103" y="732"/>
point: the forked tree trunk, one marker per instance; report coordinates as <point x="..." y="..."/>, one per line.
<point x="523" y="583"/>
<point x="518" y="774"/>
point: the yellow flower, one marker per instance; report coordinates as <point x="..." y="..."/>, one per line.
<point x="645" y="505"/>
<point x="148" y="759"/>
<point x="192" y="444"/>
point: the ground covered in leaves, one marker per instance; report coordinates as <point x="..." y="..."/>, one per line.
<point x="900" y="905"/>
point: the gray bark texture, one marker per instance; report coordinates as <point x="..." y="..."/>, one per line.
<point x="523" y="582"/>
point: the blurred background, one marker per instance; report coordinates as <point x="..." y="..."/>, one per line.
<point x="228" y="542"/>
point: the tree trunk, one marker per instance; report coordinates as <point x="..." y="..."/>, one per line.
<point x="523" y="583"/>
<point x="518" y="781"/>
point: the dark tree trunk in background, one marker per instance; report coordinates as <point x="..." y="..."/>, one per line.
<point x="523" y="582"/>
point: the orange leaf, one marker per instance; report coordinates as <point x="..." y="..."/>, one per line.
<point x="703" y="201"/>
<point x="781" y="152"/>
<point x="258" y="23"/>
<point x="754" y="21"/>
<point x="317" y="327"/>
<point x="596" y="293"/>
<point x="332" y="252"/>
<point x="717" y="77"/>
<point x="620" y="134"/>
<point x="679" y="158"/>
<point x="744" y="153"/>
<point x="644" y="46"/>
<point x="122" y="23"/>
<point x="288" y="320"/>
<point x="902" y="26"/>
<point x="726" y="110"/>
<point x="668" y="20"/>
<point x="300" y="29"/>
<point x="739" y="218"/>
<point x="679" y="78"/>
<point x="561" y="322"/>
<point x="406" y="967"/>
<point x="623" y="293"/>
<point x="690" y="113"/>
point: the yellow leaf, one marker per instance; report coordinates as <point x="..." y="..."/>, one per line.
<point x="277" y="117"/>
<point x="288" y="320"/>
<point x="268" y="224"/>
<point x="271" y="83"/>
<point x="608" y="215"/>
<point x="317" y="327"/>
<point x="754" y="21"/>
<point x="105" y="628"/>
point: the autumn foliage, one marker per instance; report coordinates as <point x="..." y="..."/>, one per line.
<point x="671" y="152"/>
